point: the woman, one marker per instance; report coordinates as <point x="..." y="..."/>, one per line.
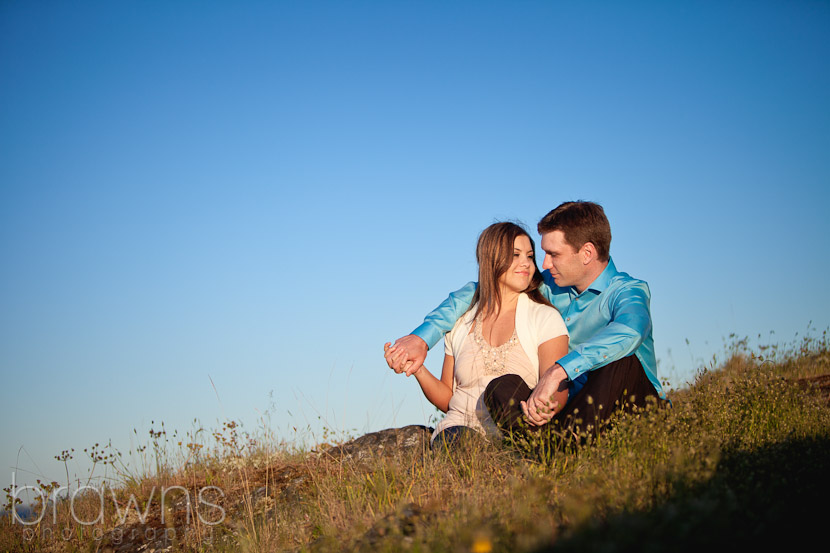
<point x="509" y="328"/>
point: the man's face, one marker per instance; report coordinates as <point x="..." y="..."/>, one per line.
<point x="563" y="261"/>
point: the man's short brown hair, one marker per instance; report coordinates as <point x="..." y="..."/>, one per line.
<point x="581" y="222"/>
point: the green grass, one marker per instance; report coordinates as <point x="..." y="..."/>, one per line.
<point x="741" y="459"/>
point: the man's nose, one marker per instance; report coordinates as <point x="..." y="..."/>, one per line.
<point x="547" y="263"/>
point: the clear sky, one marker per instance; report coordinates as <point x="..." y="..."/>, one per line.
<point x="216" y="210"/>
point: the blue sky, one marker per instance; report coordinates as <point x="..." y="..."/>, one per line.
<point x="215" y="211"/>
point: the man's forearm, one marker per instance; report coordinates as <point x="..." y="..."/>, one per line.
<point x="443" y="318"/>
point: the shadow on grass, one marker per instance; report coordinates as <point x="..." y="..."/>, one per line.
<point x="770" y="497"/>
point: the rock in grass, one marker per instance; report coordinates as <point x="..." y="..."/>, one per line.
<point x="387" y="442"/>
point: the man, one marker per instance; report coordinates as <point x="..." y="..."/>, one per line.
<point x="608" y="317"/>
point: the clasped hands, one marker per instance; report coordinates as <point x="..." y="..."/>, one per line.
<point x="541" y="406"/>
<point x="408" y="354"/>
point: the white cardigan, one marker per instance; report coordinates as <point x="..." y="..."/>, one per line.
<point x="535" y="323"/>
<point x="530" y="317"/>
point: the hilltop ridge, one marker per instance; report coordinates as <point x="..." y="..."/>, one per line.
<point x="743" y="453"/>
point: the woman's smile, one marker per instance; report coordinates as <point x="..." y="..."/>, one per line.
<point x="521" y="268"/>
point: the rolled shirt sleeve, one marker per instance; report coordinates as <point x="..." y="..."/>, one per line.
<point x="629" y="325"/>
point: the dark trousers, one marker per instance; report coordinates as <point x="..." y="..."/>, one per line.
<point x="618" y="386"/>
<point x="452" y="437"/>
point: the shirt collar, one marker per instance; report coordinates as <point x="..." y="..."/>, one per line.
<point x="604" y="279"/>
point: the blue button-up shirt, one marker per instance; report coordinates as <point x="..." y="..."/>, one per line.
<point x="609" y="320"/>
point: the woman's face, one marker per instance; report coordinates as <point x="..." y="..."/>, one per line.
<point x="517" y="278"/>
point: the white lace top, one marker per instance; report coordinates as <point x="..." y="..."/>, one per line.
<point x="477" y="363"/>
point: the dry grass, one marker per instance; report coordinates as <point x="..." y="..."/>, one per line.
<point x="739" y="460"/>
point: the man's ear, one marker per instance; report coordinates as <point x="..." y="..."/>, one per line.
<point x="588" y="252"/>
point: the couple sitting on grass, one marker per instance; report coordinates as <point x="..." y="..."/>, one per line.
<point x="525" y="351"/>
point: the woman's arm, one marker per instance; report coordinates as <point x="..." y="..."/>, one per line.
<point x="549" y="353"/>
<point x="438" y="392"/>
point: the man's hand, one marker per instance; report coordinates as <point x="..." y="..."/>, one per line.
<point x="547" y="398"/>
<point x="407" y="355"/>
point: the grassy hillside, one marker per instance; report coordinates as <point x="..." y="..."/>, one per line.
<point x="742" y="458"/>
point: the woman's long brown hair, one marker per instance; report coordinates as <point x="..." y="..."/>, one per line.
<point x="494" y="254"/>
